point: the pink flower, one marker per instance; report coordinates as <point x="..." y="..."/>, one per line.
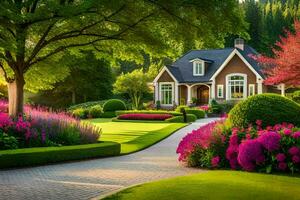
<point x="215" y="161"/>
<point x="296" y="135"/>
<point x="280" y="157"/>
<point x="258" y="122"/>
<point x="282" y="166"/>
<point x="270" y="141"/>
<point x="296" y="159"/>
<point x="294" y="150"/>
<point x="204" y="107"/>
<point x="287" y="131"/>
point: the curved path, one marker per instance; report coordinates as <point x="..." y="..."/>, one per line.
<point x="94" y="178"/>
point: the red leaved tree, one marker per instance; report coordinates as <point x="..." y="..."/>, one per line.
<point x="284" y="67"/>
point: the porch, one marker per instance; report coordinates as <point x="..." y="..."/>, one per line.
<point x="196" y="94"/>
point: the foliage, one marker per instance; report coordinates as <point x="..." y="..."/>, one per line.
<point x="47" y="155"/>
<point x="197" y="112"/>
<point x="158" y="105"/>
<point x="8" y="142"/>
<point x="114" y="105"/>
<point x="95" y="111"/>
<point x="134" y="84"/>
<point x="215" y="107"/>
<point x="108" y="114"/>
<point x="174" y="113"/>
<point x="81" y="113"/>
<point x="180" y="119"/>
<point x="270" y="108"/>
<point x="179" y="108"/>
<point x="276" y="148"/>
<point x="88" y="104"/>
<point x="284" y="66"/>
<point x="227" y="106"/>
<point x="296" y="96"/>
<point x="142" y="116"/>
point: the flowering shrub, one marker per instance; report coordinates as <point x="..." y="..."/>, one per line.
<point x="39" y="127"/>
<point x="215" y="145"/>
<point x="141" y="116"/>
<point x="205" y="108"/>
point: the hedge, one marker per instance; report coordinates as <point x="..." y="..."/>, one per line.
<point x="108" y="115"/>
<point x="180" y="119"/>
<point x="114" y="104"/>
<point x="143" y="116"/>
<point x="87" y="104"/>
<point x="122" y="112"/>
<point x="197" y="112"/>
<point x="270" y="108"/>
<point x="45" y="155"/>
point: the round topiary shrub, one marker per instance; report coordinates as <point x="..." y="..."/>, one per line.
<point x="270" y="108"/>
<point x="113" y="105"/>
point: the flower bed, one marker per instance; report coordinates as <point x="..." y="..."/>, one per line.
<point x="159" y="117"/>
<point x="275" y="148"/>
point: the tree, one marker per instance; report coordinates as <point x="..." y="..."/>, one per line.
<point x="134" y="84"/>
<point x="284" y="67"/>
<point x="35" y="32"/>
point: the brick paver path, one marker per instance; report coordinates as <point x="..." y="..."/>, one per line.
<point x="94" y="178"/>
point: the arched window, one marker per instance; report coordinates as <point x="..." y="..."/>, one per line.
<point x="236" y="86"/>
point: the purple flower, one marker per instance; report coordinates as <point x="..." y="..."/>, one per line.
<point x="250" y="153"/>
<point x="215" y="161"/>
<point x="296" y="159"/>
<point x="280" y="157"/>
<point x="282" y="166"/>
<point x="270" y="140"/>
<point x="294" y="150"/>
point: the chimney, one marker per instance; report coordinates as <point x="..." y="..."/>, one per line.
<point x="239" y="44"/>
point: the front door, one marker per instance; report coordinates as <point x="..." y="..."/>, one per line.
<point x="203" y="94"/>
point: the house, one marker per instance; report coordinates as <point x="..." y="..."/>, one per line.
<point x="203" y="75"/>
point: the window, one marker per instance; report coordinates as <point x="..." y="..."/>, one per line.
<point x="236" y="86"/>
<point x="251" y="89"/>
<point x="166" y="93"/>
<point x="198" y="68"/>
<point x="220" y="89"/>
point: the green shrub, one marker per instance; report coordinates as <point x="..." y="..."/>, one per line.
<point x="121" y="112"/>
<point x="270" y="108"/>
<point x="296" y="96"/>
<point x="95" y="111"/>
<point x="158" y="106"/>
<point x="45" y="155"/>
<point x="226" y="106"/>
<point x="198" y="113"/>
<point x="8" y="142"/>
<point x="108" y="115"/>
<point x="113" y="105"/>
<point x="180" y="119"/>
<point x="178" y="109"/>
<point x="81" y="113"/>
<point x="215" y="107"/>
<point x="87" y="104"/>
<point x="68" y="136"/>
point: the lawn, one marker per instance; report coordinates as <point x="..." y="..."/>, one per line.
<point x="135" y="136"/>
<point x="214" y="185"/>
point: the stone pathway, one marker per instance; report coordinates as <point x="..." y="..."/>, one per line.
<point x="98" y="177"/>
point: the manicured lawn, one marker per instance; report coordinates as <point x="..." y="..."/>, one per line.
<point x="214" y="185"/>
<point x="135" y="136"/>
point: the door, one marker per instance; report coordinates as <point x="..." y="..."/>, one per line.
<point x="203" y="94"/>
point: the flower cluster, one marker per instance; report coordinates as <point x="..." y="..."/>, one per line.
<point x="142" y="116"/>
<point x="275" y="148"/>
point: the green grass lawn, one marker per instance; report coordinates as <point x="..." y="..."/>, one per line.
<point x="214" y="185"/>
<point x="135" y="136"/>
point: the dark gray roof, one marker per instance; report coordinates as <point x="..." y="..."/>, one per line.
<point x="181" y="69"/>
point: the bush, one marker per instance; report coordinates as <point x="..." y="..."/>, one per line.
<point x="179" y="108"/>
<point x="180" y="119"/>
<point x="215" y="107"/>
<point x="108" y="115"/>
<point x="122" y="112"/>
<point x="81" y="113"/>
<point x="46" y="155"/>
<point x="114" y="105"/>
<point x="87" y="105"/>
<point x="198" y="113"/>
<point x="8" y="142"/>
<point x="226" y="106"/>
<point x="270" y="108"/>
<point x="95" y="111"/>
<point x="159" y="117"/>
<point x="296" y="96"/>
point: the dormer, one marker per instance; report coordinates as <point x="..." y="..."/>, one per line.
<point x="198" y="67"/>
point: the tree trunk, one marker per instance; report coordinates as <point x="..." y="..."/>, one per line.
<point x="73" y="97"/>
<point x="16" y="96"/>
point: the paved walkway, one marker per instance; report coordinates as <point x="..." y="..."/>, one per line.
<point x="92" y="178"/>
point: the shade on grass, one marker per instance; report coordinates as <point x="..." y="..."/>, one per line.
<point x="135" y="136"/>
<point x="225" y="185"/>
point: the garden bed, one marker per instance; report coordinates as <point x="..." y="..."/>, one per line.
<point x="46" y="155"/>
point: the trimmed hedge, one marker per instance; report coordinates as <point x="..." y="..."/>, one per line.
<point x="87" y="104"/>
<point x="143" y="116"/>
<point x="114" y="105"/>
<point x="45" y="155"/>
<point x="270" y="108"/>
<point x="180" y="119"/>
<point x="197" y="112"/>
<point x="122" y="112"/>
<point x="108" y="115"/>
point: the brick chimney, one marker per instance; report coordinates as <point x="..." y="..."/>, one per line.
<point x="239" y="43"/>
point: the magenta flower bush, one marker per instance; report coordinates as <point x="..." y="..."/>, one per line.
<point x="40" y="127"/>
<point x="215" y="145"/>
<point x="143" y="116"/>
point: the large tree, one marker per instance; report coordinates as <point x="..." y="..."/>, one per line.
<point x="33" y="32"/>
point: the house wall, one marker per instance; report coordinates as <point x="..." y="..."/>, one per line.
<point x="235" y="65"/>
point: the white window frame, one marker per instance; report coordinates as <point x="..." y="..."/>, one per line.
<point x="253" y="88"/>
<point x="195" y="64"/>
<point x="222" y="89"/>
<point x="160" y="92"/>
<point x="228" y="90"/>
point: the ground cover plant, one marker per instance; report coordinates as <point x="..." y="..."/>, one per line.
<point x="226" y="185"/>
